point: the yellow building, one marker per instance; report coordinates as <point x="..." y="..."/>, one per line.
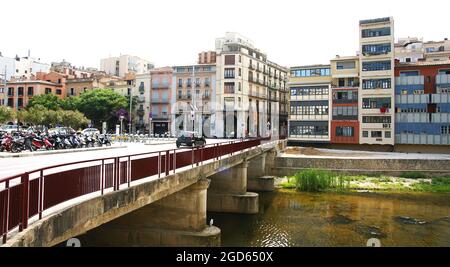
<point x="310" y="94"/>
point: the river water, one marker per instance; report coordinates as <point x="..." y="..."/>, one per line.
<point x="291" y="218"/>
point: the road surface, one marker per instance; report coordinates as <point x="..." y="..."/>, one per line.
<point x="12" y="166"/>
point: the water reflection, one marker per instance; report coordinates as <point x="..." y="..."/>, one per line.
<point x="289" y="218"/>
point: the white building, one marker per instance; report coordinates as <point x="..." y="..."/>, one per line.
<point x="376" y="91"/>
<point x="243" y="99"/>
<point x="123" y="64"/>
<point x="21" y="66"/>
<point x="142" y="91"/>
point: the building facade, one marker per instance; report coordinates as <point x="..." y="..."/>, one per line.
<point x="422" y="99"/>
<point x="310" y="102"/>
<point x="21" y="90"/>
<point x="376" y="94"/>
<point x="161" y="96"/>
<point x="21" y="66"/>
<point x="193" y="95"/>
<point x="141" y="90"/>
<point x="242" y="98"/>
<point x="344" y="104"/>
<point x="119" y="66"/>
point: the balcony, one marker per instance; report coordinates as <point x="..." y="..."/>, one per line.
<point x="141" y="89"/>
<point x="251" y="66"/>
<point x="257" y="94"/>
<point x="206" y="96"/>
<point x="443" y="79"/>
<point x="141" y="99"/>
<point x="160" y="86"/>
<point x="348" y="86"/>
<point x="229" y="90"/>
<point x="160" y="101"/>
<point x="345" y="101"/>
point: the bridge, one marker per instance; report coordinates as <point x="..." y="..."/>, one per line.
<point x="157" y="198"/>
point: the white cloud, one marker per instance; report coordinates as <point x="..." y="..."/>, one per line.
<point x="172" y="32"/>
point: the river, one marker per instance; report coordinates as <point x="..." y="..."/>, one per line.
<point x="288" y="218"/>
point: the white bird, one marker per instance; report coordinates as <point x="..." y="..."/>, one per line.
<point x="211" y="222"/>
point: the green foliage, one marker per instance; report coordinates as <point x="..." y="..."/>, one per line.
<point x="70" y="103"/>
<point x="100" y="104"/>
<point x="318" y="180"/>
<point x="413" y="175"/>
<point x="439" y="184"/>
<point x="48" y="101"/>
<point x="39" y="115"/>
<point x="6" y="114"/>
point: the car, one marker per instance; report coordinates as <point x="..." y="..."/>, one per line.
<point x="9" y="128"/>
<point x="190" y="139"/>
<point x="62" y="130"/>
<point x="90" y="131"/>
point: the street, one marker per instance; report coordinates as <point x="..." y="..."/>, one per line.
<point x="12" y="166"/>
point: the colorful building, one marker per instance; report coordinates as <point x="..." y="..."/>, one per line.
<point x="344" y="103"/>
<point x="161" y="99"/>
<point x="422" y="103"/>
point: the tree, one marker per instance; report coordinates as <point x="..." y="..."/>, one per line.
<point x="73" y="118"/>
<point x="39" y="115"/>
<point x="101" y="104"/>
<point x="48" y="101"/>
<point x="6" y="114"/>
<point x="71" y="103"/>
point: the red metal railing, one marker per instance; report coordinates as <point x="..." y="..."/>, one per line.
<point x="29" y="194"/>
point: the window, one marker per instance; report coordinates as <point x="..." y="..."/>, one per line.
<point x="229" y="88"/>
<point x="387" y="134"/>
<point x="229" y="59"/>
<point x="207" y="82"/>
<point x="311" y="72"/>
<point x="376" y="119"/>
<point x="180" y="93"/>
<point x="58" y="91"/>
<point x="180" y="82"/>
<point x="366" y="33"/>
<point x="48" y="90"/>
<point x="312" y="90"/>
<point x="373" y="103"/>
<point x="240" y="72"/>
<point x="20" y="91"/>
<point x="409" y="73"/>
<point x="376" y="65"/>
<point x="308" y="128"/>
<point x="445" y="71"/>
<point x="240" y="59"/>
<point x="376" y="49"/>
<point x="11" y="91"/>
<point x="408" y="59"/>
<point x="376" y="84"/>
<point x="309" y="108"/>
<point x="345" y="65"/>
<point x="345" y="113"/>
<point x="20" y="102"/>
<point x="346" y="131"/>
<point x="376" y="134"/>
<point x="72" y="91"/>
<point x="365" y="134"/>
<point x="445" y="129"/>
<point x="228" y="73"/>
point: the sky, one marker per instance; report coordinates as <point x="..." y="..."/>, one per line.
<point x="173" y="32"/>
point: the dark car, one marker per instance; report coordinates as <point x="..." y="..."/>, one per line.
<point x="190" y="139"/>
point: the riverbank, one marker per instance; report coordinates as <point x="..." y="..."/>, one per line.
<point x="410" y="182"/>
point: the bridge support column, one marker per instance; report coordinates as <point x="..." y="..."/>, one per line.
<point x="228" y="192"/>
<point x="176" y="220"/>
<point x="257" y="179"/>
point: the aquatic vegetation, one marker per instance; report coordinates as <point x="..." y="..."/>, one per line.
<point x="313" y="180"/>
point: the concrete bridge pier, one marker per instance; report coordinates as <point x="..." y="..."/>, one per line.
<point x="228" y="191"/>
<point x="176" y="220"/>
<point x="259" y="168"/>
